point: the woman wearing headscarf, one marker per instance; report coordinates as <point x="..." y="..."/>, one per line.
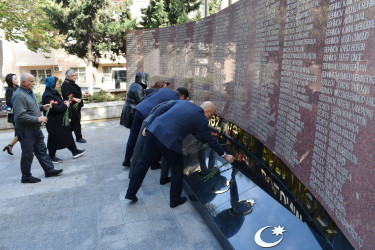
<point x="59" y="136"/>
<point x="12" y="81"/>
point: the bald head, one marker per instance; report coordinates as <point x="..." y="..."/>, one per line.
<point x="209" y="109"/>
<point x="27" y="81"/>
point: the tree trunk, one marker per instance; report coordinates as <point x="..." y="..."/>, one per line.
<point x="2" y="78"/>
<point x="89" y="69"/>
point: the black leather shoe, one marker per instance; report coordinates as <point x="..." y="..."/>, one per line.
<point x="131" y="197"/>
<point x="30" y="179"/>
<point x="126" y="164"/>
<point x="81" y="140"/>
<point x="180" y="201"/>
<point x="8" y="148"/>
<point x="165" y="180"/>
<point x="54" y="172"/>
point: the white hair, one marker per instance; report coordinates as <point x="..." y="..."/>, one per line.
<point x="69" y="72"/>
<point x="23" y="77"/>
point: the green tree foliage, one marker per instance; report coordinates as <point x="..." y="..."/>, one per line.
<point x="162" y="13"/>
<point x="92" y="29"/>
<point x="154" y="15"/>
<point x="214" y="7"/>
<point x="26" y="21"/>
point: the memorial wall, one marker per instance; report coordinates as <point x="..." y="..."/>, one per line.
<point x="297" y="75"/>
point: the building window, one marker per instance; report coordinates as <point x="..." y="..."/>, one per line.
<point x="107" y="74"/>
<point x="80" y="75"/>
<point x="41" y="74"/>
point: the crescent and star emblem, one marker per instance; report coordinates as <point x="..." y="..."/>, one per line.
<point x="276" y="231"/>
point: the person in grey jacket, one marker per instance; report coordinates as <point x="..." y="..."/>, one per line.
<point x="28" y="119"/>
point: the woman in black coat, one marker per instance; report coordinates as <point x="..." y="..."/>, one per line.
<point x="12" y="81"/>
<point x="59" y="136"/>
<point x="134" y="96"/>
<point x="69" y="87"/>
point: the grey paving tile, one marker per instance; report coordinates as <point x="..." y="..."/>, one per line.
<point x="38" y="199"/>
<point x="85" y="208"/>
<point x="83" y="218"/>
<point x="58" y="226"/>
<point x="121" y="244"/>
<point x="26" y="237"/>
<point x="139" y="228"/>
<point x="83" y="240"/>
<point x="13" y="205"/>
<point x="113" y="237"/>
<point x="84" y="224"/>
<point x="200" y="238"/>
<point x="54" y="241"/>
<point x="163" y="225"/>
<point x="155" y="199"/>
<point x="57" y="214"/>
<point x="134" y="215"/>
<point x="5" y="244"/>
<point x="144" y="243"/>
<point x="29" y="218"/>
<point x="210" y="244"/>
<point x="161" y="212"/>
<point x="110" y="215"/>
<point x="190" y="219"/>
<point x="171" y="239"/>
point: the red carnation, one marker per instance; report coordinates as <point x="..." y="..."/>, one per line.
<point x="239" y="157"/>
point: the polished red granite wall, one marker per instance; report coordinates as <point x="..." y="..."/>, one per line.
<point x="299" y="76"/>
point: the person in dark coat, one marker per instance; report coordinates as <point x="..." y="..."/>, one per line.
<point x="143" y="109"/>
<point x="134" y="96"/>
<point x="69" y="87"/>
<point x="165" y="131"/>
<point x="59" y="136"/>
<point x="12" y="81"/>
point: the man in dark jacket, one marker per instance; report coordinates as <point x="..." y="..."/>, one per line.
<point x="133" y="97"/>
<point x="143" y="109"/>
<point x="167" y="128"/>
<point x="28" y="120"/>
<point x="70" y="88"/>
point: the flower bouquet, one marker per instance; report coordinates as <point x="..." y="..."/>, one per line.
<point x="75" y="105"/>
<point x="66" y="114"/>
<point x="51" y="102"/>
<point x="238" y="157"/>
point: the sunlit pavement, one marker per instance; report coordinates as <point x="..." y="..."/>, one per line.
<point x="84" y="208"/>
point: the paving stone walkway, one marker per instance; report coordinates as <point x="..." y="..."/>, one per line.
<point x="85" y="208"/>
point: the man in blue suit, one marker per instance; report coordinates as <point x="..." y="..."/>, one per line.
<point x="143" y="109"/>
<point x="167" y="128"/>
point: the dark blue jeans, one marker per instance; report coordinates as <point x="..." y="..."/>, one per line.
<point x="32" y="142"/>
<point x="152" y="149"/>
<point x="134" y="131"/>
